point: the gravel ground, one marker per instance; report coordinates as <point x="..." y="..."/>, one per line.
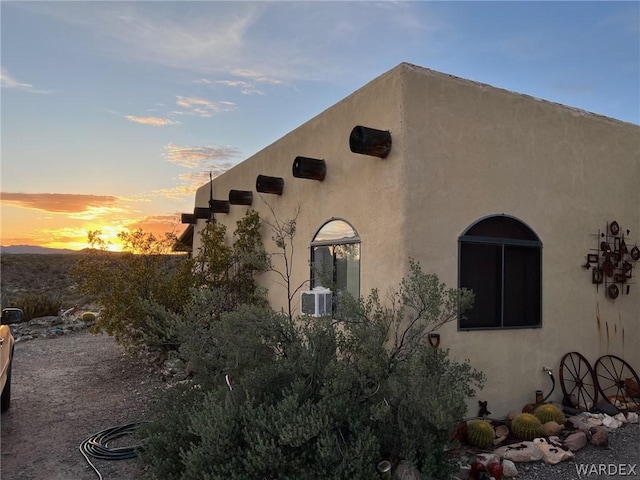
<point x="621" y="459"/>
<point x="63" y="390"/>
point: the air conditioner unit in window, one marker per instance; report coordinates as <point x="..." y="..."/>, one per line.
<point x="316" y="302"/>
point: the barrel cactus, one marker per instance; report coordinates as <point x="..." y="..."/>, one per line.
<point x="549" y="413"/>
<point x="89" y="317"/>
<point x="480" y="434"/>
<point x="526" y="426"/>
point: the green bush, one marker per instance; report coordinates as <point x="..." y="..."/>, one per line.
<point x="312" y="398"/>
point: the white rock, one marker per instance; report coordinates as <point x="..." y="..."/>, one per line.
<point x="610" y="422"/>
<point x="520" y="452"/>
<point x="594" y="422"/>
<point x="632" y="417"/>
<point x="487" y="458"/>
<point x="509" y="469"/>
<point x="621" y="418"/>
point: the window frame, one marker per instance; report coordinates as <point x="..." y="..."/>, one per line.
<point x="333" y="243"/>
<point x="503" y="243"/>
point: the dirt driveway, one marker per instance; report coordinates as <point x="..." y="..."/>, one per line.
<point x="65" y="389"/>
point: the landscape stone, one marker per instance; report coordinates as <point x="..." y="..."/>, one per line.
<point x="610" y="422"/>
<point x="520" y="452"/>
<point x="487" y="458"/>
<point x="600" y="437"/>
<point x="406" y="471"/>
<point x="509" y="469"/>
<point x="551" y="453"/>
<point x="551" y="428"/>
<point x="632" y="417"/>
<point x="575" y="441"/>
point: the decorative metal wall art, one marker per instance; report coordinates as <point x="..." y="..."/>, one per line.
<point x="613" y="261"/>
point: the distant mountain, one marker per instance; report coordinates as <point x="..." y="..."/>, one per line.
<point x="32" y="249"/>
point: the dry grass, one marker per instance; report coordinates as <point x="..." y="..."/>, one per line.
<point x="48" y="274"/>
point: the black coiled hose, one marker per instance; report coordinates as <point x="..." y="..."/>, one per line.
<point x="97" y="445"/>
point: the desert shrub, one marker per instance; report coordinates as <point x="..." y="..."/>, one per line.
<point x="314" y="398"/>
<point x="36" y="305"/>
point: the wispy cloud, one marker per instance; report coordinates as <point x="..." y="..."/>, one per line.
<point x="8" y="81"/>
<point x="203" y="107"/>
<point x="153" y="121"/>
<point x="199" y="156"/>
<point x="61" y="202"/>
<point x="284" y="41"/>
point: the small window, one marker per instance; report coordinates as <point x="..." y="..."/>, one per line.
<point x="335" y="258"/>
<point x="501" y="261"/>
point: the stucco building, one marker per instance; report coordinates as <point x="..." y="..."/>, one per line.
<point x="493" y="190"/>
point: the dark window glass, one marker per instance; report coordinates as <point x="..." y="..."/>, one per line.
<point x="500" y="260"/>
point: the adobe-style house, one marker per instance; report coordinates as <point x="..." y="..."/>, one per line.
<point x="532" y="204"/>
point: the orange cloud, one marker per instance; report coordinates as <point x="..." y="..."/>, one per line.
<point x="153" y="121"/>
<point x="158" y="225"/>
<point x="58" y="202"/>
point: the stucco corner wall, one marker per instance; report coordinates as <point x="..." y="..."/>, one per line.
<point x="361" y="189"/>
<point x="474" y="150"/>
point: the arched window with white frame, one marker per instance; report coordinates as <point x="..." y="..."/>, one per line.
<point x="335" y="258"/>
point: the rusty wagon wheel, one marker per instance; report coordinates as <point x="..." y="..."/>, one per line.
<point x="578" y="382"/>
<point x="618" y="382"/>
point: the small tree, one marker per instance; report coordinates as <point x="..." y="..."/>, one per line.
<point x="124" y="281"/>
<point x="283" y="233"/>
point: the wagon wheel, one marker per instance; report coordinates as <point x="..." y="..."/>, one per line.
<point x="618" y="382"/>
<point x="578" y="382"/>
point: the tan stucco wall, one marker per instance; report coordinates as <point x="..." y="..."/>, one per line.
<point x="473" y="151"/>
<point x="462" y="151"/>
<point x="360" y="189"/>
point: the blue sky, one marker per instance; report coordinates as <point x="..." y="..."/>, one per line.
<point x="113" y="113"/>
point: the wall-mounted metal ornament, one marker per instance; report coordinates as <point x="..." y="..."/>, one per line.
<point x="612" y="261"/>
<point x="370" y="141"/>
<point x="614" y="228"/>
<point x="267" y="184"/>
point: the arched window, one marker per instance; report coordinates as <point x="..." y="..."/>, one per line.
<point x="501" y="261"/>
<point x="335" y="258"/>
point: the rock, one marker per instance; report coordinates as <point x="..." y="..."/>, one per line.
<point x="600" y="437"/>
<point x="610" y="422"/>
<point x="551" y="428"/>
<point x="502" y="432"/>
<point x="620" y="418"/>
<point x="606" y="407"/>
<point x="487" y="458"/>
<point x="594" y="421"/>
<point x="405" y="471"/>
<point x="632" y="417"/>
<point x="551" y="453"/>
<point x="575" y="441"/>
<point x="520" y="452"/>
<point x="509" y="469"/>
<point x="579" y="422"/>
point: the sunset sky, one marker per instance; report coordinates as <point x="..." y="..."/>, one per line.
<point x="113" y="113"/>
